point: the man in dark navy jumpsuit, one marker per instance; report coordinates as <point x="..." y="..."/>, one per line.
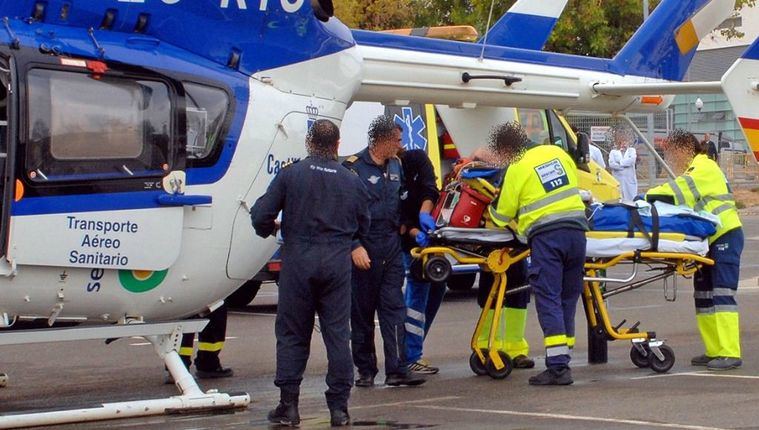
<point x="324" y="209"/>
<point x="378" y="261"/>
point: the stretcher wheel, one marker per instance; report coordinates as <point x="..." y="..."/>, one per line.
<point x="660" y="366"/>
<point x="437" y="269"/>
<point x="476" y="365"/>
<point x="638" y="359"/>
<point x="500" y="373"/>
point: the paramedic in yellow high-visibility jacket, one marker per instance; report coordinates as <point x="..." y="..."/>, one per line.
<point x="540" y="192"/>
<point x="703" y="186"/>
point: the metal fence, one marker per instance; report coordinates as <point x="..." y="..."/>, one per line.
<point x="740" y="168"/>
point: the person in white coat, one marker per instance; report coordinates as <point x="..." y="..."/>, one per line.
<point x="622" y="165"/>
<point x="596" y="155"/>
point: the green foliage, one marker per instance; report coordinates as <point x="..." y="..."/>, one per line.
<point x="732" y="32"/>
<point x="375" y="14"/>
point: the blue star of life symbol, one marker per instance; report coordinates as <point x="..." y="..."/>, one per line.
<point x="412" y="126"/>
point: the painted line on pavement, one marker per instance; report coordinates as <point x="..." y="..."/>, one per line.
<point x="706" y="373"/>
<point x="569" y="417"/>
<point x="260" y="314"/>
<point x="405" y="402"/>
<point x="148" y="343"/>
<point x="627" y="308"/>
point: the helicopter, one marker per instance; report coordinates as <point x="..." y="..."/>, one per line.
<point x="136" y="132"/>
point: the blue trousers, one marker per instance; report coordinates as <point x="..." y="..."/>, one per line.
<point x="379" y="291"/>
<point x="315" y="279"/>
<point x="556" y="276"/>
<point x="423" y="300"/>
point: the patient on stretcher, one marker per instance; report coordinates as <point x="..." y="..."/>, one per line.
<point x="461" y="218"/>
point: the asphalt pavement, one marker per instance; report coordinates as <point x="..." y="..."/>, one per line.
<point x="615" y="395"/>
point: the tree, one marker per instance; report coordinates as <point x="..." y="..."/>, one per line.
<point x="731" y="32"/>
<point x="375" y="14"/>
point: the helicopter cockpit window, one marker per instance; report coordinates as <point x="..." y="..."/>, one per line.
<point x="535" y="125"/>
<point x="559" y="135"/>
<point x="96" y="127"/>
<point x="206" y="111"/>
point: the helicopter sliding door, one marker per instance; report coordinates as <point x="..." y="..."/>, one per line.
<point x="99" y="169"/>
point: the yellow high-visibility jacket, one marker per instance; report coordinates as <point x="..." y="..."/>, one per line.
<point x="703" y="186"/>
<point x="538" y="190"/>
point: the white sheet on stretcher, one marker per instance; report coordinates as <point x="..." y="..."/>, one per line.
<point x="596" y="247"/>
<point x="610" y="247"/>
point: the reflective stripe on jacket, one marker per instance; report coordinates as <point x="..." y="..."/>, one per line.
<point x="703" y="187"/>
<point x="539" y="189"/>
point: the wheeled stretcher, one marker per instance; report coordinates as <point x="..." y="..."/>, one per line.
<point x="495" y="250"/>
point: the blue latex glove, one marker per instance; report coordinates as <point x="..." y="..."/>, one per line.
<point x="426" y="222"/>
<point x="422" y="239"/>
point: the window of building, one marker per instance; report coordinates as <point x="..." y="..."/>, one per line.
<point x="732" y="22"/>
<point x="86" y="127"/>
<point x="207" y="109"/>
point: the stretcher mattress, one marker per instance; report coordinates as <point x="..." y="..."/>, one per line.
<point x="600" y="243"/>
<point x="611" y="243"/>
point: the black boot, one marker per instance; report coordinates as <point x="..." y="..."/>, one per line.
<point x="339" y="417"/>
<point x="550" y="376"/>
<point x="409" y="379"/>
<point x="219" y="372"/>
<point x="286" y="413"/>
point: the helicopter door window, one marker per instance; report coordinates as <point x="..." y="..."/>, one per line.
<point x="82" y="128"/>
<point x="207" y="109"/>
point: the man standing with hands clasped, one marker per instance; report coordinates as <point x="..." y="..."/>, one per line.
<point x="324" y="209"/>
<point x="378" y="260"/>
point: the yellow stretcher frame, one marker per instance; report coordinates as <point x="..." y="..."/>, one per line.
<point x="498" y="364"/>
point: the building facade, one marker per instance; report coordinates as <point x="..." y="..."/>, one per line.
<point x="713" y="58"/>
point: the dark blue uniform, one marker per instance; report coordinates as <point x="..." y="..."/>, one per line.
<point x="324" y="209"/>
<point x="378" y="290"/>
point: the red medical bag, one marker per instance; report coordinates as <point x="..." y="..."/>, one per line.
<point x="460" y="206"/>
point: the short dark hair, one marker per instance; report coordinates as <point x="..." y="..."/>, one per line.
<point x="508" y="138"/>
<point x="684" y="140"/>
<point x="382" y="128"/>
<point x="322" y="138"/>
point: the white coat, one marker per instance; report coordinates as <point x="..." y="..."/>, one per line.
<point x="623" y="168"/>
<point x="597" y="156"/>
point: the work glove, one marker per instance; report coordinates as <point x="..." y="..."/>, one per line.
<point x="426" y="222"/>
<point x="422" y="239"/>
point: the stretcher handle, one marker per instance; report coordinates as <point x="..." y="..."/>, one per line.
<point x="614" y="280"/>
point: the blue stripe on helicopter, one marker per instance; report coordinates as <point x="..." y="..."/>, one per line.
<point x="752" y="53"/>
<point x="86" y="203"/>
<point x="519" y="30"/>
